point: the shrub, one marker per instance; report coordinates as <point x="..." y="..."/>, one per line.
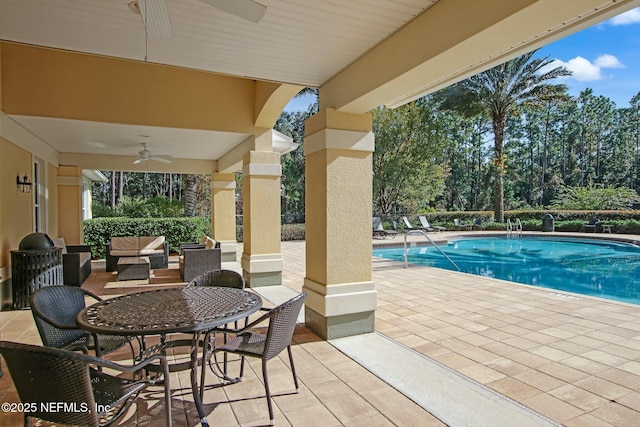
<point x="99" y="231"/>
<point x="287" y="232"/>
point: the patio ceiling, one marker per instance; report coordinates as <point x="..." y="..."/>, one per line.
<point x="361" y="53"/>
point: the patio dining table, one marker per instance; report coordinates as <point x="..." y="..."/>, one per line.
<point x="188" y="310"/>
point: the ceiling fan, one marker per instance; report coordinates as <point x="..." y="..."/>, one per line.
<point x="145" y="155"/>
<point x="154" y="12"/>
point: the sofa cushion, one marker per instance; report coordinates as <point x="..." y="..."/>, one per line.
<point x="210" y="243"/>
<point x="123" y="252"/>
<point x="126" y="243"/>
<point x="151" y="243"/>
<point x="59" y="243"/>
<point x="151" y="251"/>
<point x="204" y="239"/>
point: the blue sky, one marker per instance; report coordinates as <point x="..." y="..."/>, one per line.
<point x="605" y="58"/>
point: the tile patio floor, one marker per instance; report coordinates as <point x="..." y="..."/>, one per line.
<point x="574" y="360"/>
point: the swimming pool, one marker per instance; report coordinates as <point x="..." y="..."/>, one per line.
<point x="604" y="269"/>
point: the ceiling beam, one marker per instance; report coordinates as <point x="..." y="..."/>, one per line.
<point x="455" y="39"/>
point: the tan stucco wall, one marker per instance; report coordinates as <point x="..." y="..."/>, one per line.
<point x="95" y="88"/>
<point x="70" y="203"/>
<point x="261" y="200"/>
<point x="223" y="206"/>
<point x="16" y="209"/>
<point x="345" y="176"/>
<point x="52" y="200"/>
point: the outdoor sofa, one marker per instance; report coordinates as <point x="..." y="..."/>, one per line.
<point x="154" y="247"/>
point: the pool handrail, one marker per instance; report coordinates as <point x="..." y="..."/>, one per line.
<point x="424" y="233"/>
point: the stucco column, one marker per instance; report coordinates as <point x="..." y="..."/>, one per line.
<point x="70" y="204"/>
<point x="262" y="256"/>
<point x="223" y="214"/>
<point x="342" y="297"/>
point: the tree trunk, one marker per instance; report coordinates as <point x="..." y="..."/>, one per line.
<point x="144" y="186"/>
<point x="499" y="124"/>
<point x="121" y="186"/>
<point x="113" y="190"/>
<point x="189" y="195"/>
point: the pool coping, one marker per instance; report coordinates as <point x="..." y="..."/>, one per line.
<point x="631" y="238"/>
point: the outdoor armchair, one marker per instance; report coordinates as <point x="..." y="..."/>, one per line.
<point x="461" y="225"/>
<point x="591" y="225"/>
<point x="477" y="223"/>
<point x="194" y="262"/>
<point x="282" y="323"/>
<point x="44" y="376"/>
<point x="76" y="262"/>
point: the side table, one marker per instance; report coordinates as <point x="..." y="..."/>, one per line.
<point x="606" y="228"/>
<point x="133" y="268"/>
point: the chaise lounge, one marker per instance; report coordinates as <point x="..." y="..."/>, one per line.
<point x="379" y="231"/>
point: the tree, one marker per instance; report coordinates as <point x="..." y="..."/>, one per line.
<point x="293" y="178"/>
<point x="499" y="92"/>
<point x="408" y="160"/>
<point x="595" y="197"/>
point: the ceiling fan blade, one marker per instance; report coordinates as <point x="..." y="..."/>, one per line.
<point x="138" y="160"/>
<point x="163" y="159"/>
<point x="245" y="9"/>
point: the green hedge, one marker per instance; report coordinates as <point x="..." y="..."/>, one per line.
<point x="565" y="220"/>
<point x="98" y="231"/>
<point x="287" y="232"/>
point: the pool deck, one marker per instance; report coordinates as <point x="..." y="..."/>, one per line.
<point x="449" y="349"/>
<point x="571" y="358"/>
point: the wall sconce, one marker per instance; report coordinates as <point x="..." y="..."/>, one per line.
<point x="24" y="185"/>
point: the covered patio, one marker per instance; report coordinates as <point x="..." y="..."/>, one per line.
<point x="84" y="84"/>
<point x="449" y="349"/>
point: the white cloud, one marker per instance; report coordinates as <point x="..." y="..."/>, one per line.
<point x="608" y="61"/>
<point x="630" y="17"/>
<point x="584" y="70"/>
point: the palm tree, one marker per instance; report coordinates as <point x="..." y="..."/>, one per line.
<point x="190" y="195"/>
<point x="499" y="93"/>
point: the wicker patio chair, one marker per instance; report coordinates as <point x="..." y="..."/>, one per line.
<point x="220" y="277"/>
<point x="44" y="376"/>
<point x="225" y="279"/>
<point x="282" y="323"/>
<point x="55" y="308"/>
<point x="194" y="262"/>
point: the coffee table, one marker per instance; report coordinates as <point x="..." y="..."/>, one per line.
<point x="133" y="268"/>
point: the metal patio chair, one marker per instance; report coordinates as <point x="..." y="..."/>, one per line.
<point x="45" y="375"/>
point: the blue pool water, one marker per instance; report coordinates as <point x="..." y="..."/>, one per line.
<point x="604" y="269"/>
